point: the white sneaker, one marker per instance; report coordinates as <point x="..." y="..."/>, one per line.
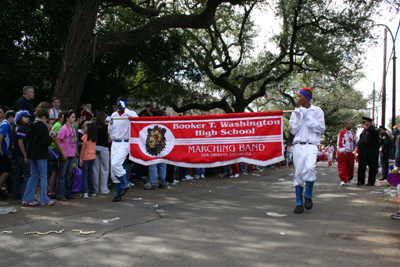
<point x="352" y="182"/>
<point x="176" y="181"/>
<point x="236" y="175"/>
<point x="85" y="195"/>
<point x="188" y="177"/>
<point x="92" y="194"/>
<point x="196" y="176"/>
<point x="342" y="183"/>
<point x="131" y="184"/>
<point x="36" y="198"/>
<point x="232" y="176"/>
<point x="202" y="176"/>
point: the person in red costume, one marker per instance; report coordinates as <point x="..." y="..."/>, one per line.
<point x="347" y="141"/>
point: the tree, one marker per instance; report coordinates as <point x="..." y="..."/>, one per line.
<point x="31" y="46"/>
<point x="337" y="98"/>
<point x="84" y="44"/>
<point x="316" y="36"/>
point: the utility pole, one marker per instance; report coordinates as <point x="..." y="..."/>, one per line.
<point x="373" y="102"/>
<point x="384" y="78"/>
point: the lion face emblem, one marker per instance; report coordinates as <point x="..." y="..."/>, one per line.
<point x="156" y="141"/>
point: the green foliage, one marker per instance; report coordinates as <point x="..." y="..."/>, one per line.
<point x="338" y="99"/>
<point x="31" y="45"/>
<point x="316" y="37"/>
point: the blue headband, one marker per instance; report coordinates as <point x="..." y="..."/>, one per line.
<point x="305" y="94"/>
<point x="122" y="103"/>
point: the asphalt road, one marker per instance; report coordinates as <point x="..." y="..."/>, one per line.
<point x="211" y="222"/>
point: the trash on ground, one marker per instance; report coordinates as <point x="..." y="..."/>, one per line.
<point x="136" y="198"/>
<point x="168" y="187"/>
<point x="84" y="233"/>
<point x="274" y="214"/>
<point x="110" y="220"/>
<point x="282" y="233"/>
<point x="324" y="173"/>
<point x="209" y="191"/>
<point x="45" y="233"/>
<point x="255" y="174"/>
<point x="7" y="210"/>
<point x="281" y="179"/>
<point x="390" y="192"/>
<point x="6" y="232"/>
<point x="155" y="206"/>
<point x="375" y="192"/>
<point x="291" y="174"/>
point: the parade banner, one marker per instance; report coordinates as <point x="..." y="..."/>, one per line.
<point x="208" y="140"/>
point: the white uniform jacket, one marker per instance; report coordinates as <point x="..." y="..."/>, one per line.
<point x="308" y="130"/>
<point x="120" y="129"/>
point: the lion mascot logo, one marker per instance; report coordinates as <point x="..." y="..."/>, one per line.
<point x="156" y="141"/>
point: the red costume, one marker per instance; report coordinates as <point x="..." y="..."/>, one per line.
<point x="346" y="143"/>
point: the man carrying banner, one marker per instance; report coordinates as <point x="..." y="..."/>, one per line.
<point x="119" y="131"/>
<point x="307" y="123"/>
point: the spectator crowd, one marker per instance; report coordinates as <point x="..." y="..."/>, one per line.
<point x="47" y="153"/>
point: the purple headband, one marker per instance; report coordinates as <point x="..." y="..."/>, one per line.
<point x="305" y="94"/>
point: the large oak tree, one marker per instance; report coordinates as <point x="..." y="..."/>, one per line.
<point x="316" y="36"/>
<point x="83" y="45"/>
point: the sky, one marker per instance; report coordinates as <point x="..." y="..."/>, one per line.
<point x="373" y="64"/>
<point x="374" y="69"/>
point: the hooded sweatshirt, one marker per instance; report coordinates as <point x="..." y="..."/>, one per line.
<point x="38" y="140"/>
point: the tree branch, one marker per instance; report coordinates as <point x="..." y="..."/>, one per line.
<point x="138" y="9"/>
<point x="222" y="104"/>
<point x="125" y="40"/>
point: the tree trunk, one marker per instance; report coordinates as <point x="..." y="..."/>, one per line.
<point x="78" y="54"/>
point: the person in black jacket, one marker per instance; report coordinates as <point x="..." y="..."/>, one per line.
<point x="385" y="145"/>
<point x="24" y="102"/>
<point x="38" y="141"/>
<point x="368" y="152"/>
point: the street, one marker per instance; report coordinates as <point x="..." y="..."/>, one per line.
<point x="211" y="222"/>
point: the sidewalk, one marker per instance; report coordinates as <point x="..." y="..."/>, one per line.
<point x="211" y="222"/>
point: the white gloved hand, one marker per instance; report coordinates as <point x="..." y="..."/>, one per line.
<point x="109" y="119"/>
<point x="305" y="112"/>
<point x="297" y="112"/>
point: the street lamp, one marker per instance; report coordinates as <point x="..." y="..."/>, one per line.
<point x="394" y="77"/>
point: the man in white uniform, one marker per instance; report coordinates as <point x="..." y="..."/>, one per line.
<point x="307" y="123"/>
<point x="329" y="151"/>
<point x="119" y="131"/>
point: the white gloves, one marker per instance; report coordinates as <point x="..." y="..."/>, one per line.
<point x="297" y="112"/>
<point x="305" y="112"/>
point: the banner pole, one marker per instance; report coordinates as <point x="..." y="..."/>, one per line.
<point x="126" y="118"/>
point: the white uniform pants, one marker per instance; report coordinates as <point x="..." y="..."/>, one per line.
<point x="101" y="170"/>
<point x="330" y="156"/>
<point x="289" y="156"/>
<point x="304" y="159"/>
<point x="119" y="151"/>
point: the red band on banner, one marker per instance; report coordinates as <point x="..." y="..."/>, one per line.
<point x="208" y="140"/>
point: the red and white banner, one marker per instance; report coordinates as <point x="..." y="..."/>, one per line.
<point x="208" y="140"/>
